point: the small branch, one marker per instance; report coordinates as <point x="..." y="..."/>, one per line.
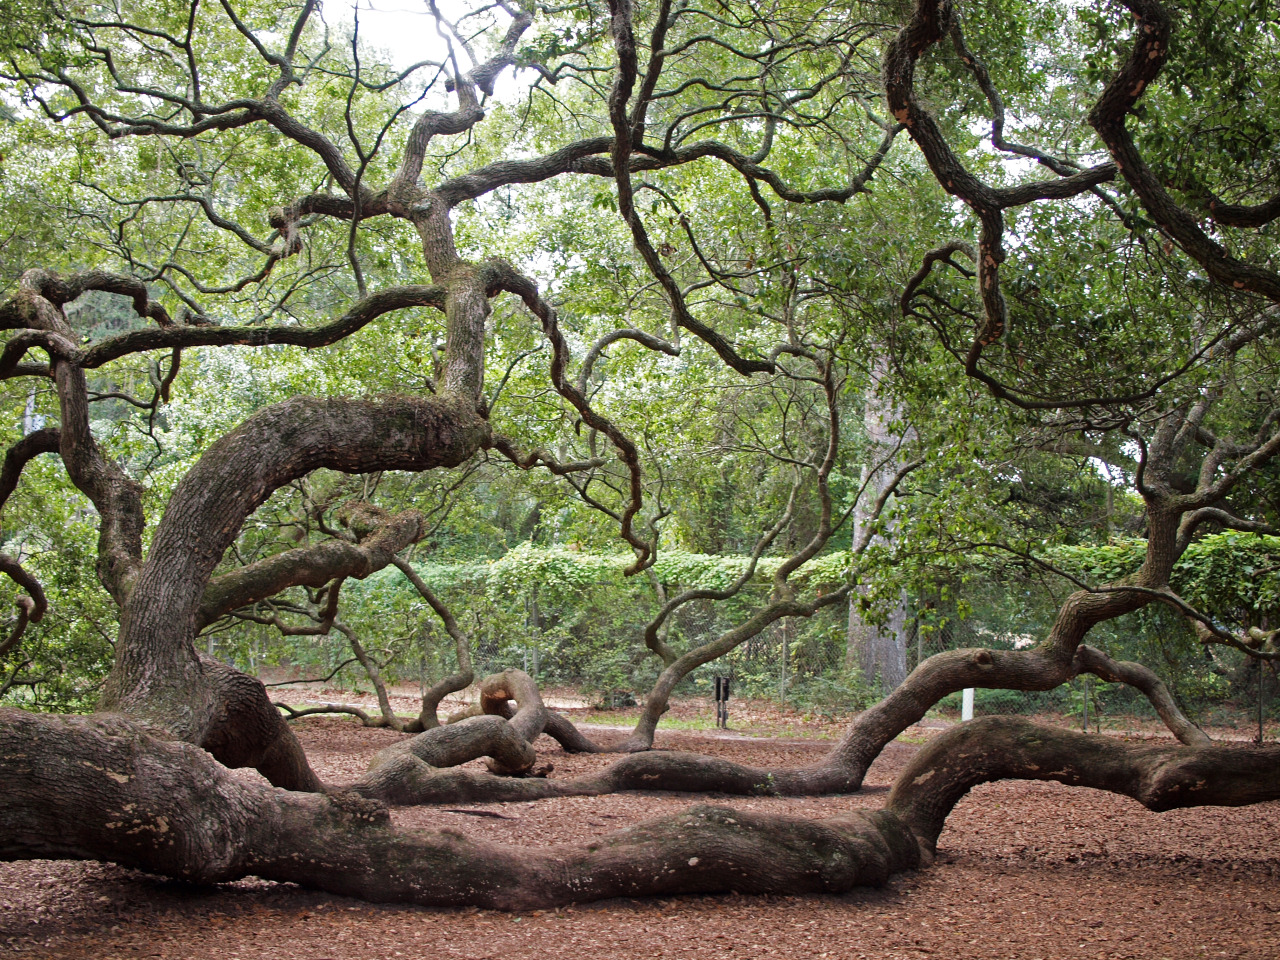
<point x="333" y="673"/>
<point x="1141" y="678"/>
<point x="533" y="458"/>
<point x="45" y="440"/>
<point x="639" y="336"/>
<point x="429" y="716"/>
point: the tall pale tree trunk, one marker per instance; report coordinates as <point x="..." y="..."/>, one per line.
<point x="876" y="641"/>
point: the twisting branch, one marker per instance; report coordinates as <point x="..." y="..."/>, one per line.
<point x="1224" y="518"/>
<point x="429" y="717"/>
<point x="12" y="680"/>
<point x="1063" y="168"/>
<point x="939" y="255"/>
<point x="930" y="22"/>
<point x="627" y="333"/>
<point x="117" y="497"/>
<point x="60" y="291"/>
<point x="371" y="668"/>
<point x="44" y="440"/>
<point x="502" y="276"/>
<point x="312" y="566"/>
<point x="321" y="619"/>
<point x="31" y="608"/>
<point x="327" y="709"/>
<point x="652" y="631"/>
<point x="431" y="124"/>
<point x="1158" y="776"/>
<point x="783" y="603"/>
<point x="620" y="154"/>
<point x="325" y="679"/>
<point x="527" y="461"/>
<point x="1109" y="117"/>
<point x="179" y="336"/>
<point x="822" y="475"/>
<point x="1237" y="215"/>
<point x="1141" y="678"/>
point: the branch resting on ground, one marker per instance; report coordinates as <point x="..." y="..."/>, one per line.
<point x="105" y="788"/>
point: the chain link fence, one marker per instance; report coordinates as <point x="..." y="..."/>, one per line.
<point x="807" y="664"/>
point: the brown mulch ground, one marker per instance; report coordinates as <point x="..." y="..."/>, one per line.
<point x="1025" y="871"/>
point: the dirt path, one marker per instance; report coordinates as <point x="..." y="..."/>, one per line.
<point x="1026" y="871"/>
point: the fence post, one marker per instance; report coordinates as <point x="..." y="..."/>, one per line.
<point x="786" y="651"/>
<point x="966" y="704"/>
<point x="1086" y="704"/>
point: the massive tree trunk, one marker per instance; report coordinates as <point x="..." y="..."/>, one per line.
<point x="877" y="648"/>
<point x="157" y="674"/>
<point x="133" y="785"/>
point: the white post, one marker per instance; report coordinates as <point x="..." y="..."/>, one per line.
<point x="966" y="705"/>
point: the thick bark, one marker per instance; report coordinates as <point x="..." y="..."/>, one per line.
<point x="878" y="650"/>
<point x="1159" y="776"/>
<point x="233" y="479"/>
<point x="157" y="674"/>
<point x="105" y="788"/>
<point x="410" y="781"/>
<point x="246" y="730"/>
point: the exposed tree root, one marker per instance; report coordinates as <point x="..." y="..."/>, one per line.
<point x="246" y="730"/>
<point x="406" y="780"/>
<point x="503" y="735"/>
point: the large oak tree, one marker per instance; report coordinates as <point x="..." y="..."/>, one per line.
<point x="188" y="123"/>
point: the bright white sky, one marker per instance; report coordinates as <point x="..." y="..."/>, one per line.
<point x="405" y="32"/>
<point x="403" y="28"/>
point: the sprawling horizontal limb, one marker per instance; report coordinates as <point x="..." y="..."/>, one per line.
<point x="105" y="788"/>
<point x="181" y="336"/>
<point x="312" y="566"/>
<point x="1159" y="776"/>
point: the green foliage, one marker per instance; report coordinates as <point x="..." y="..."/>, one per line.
<point x="1232" y="576"/>
<point x="60" y="662"/>
<point x="1096" y="305"/>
